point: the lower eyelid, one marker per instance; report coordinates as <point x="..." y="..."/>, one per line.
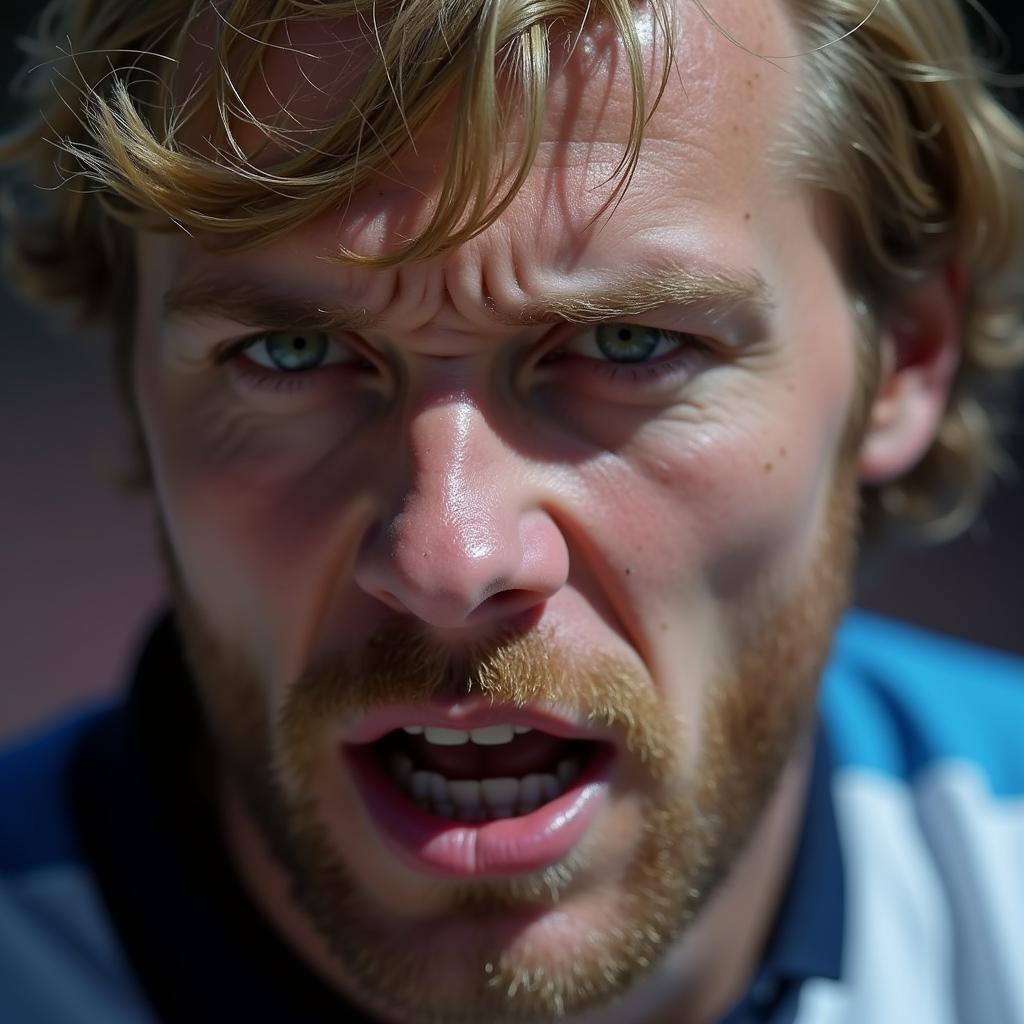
<point x="255" y="376"/>
<point x="678" y="364"/>
<point x="259" y="376"/>
<point x="669" y="360"/>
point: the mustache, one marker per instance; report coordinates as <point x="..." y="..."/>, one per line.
<point x="406" y="665"/>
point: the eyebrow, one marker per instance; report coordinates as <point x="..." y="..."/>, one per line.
<point x="714" y="292"/>
<point x="257" y="306"/>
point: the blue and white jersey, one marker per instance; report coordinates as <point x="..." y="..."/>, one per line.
<point x="905" y="904"/>
<point x="928" y="790"/>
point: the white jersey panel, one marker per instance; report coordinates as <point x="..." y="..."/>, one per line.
<point x="977" y="841"/>
<point x="934" y="929"/>
<point x="897" y="945"/>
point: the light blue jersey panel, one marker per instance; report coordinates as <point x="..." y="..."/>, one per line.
<point x="897" y="699"/>
<point x="61" y="962"/>
<point x="928" y="736"/>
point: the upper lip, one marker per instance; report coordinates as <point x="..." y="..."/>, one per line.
<point x="473" y="713"/>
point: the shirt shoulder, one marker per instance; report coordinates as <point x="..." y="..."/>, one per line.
<point x="928" y="787"/>
<point x="899" y="700"/>
<point x="60" y="958"/>
<point x="35" y="809"/>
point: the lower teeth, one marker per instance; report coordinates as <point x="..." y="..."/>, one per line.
<point x="472" y="800"/>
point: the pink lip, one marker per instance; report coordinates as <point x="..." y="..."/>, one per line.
<point x="492" y="849"/>
<point x="470" y="713"/>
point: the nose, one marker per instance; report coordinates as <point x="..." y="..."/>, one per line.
<point x="466" y="543"/>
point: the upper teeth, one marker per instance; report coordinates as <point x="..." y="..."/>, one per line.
<point x="487" y="736"/>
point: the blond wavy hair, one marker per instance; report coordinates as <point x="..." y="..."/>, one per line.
<point x="896" y="123"/>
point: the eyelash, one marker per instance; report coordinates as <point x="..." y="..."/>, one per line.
<point x="638" y="376"/>
<point x="233" y="355"/>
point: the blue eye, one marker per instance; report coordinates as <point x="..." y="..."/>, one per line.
<point x="624" y="343"/>
<point x="295" y="351"/>
<point x="627" y="343"/>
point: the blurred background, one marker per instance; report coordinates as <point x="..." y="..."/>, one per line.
<point x="79" y="577"/>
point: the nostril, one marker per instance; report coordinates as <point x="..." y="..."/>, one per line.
<point x="448" y="578"/>
<point x="524" y="605"/>
<point x="392" y="601"/>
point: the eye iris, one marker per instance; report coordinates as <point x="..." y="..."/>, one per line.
<point x="625" y="344"/>
<point x="296" y="350"/>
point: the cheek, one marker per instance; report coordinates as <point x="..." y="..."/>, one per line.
<point x="701" y="512"/>
<point x="260" y="516"/>
<point x="763" y="499"/>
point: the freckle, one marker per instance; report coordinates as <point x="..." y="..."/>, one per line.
<point x="768" y="467"/>
<point x="746" y="216"/>
<point x="663" y="626"/>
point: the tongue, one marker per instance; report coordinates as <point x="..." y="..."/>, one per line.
<point x="527" y="754"/>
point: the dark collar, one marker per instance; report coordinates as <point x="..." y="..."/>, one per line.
<point x="200" y="949"/>
<point x="144" y="811"/>
<point x="806" y="940"/>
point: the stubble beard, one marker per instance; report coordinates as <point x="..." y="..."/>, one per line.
<point x="693" y="827"/>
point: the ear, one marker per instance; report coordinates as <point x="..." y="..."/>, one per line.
<point x="920" y="339"/>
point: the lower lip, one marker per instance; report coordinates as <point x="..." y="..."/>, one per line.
<point x="493" y="849"/>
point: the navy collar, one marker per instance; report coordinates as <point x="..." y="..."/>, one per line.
<point x="806" y="940"/>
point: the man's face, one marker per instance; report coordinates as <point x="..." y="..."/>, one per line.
<point x="631" y="537"/>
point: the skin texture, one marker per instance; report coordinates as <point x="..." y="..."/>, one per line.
<point x="475" y="494"/>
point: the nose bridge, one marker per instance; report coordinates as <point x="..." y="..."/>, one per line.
<point x="454" y="456"/>
<point x="463" y="528"/>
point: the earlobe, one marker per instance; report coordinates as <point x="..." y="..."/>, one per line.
<point x="920" y="340"/>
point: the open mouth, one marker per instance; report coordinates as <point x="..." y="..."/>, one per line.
<point x="486" y="774"/>
<point x="491" y="798"/>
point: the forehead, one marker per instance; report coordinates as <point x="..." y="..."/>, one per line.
<point x="705" y="154"/>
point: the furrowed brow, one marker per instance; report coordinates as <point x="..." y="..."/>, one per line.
<point x="257" y="307"/>
<point x="712" y="292"/>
